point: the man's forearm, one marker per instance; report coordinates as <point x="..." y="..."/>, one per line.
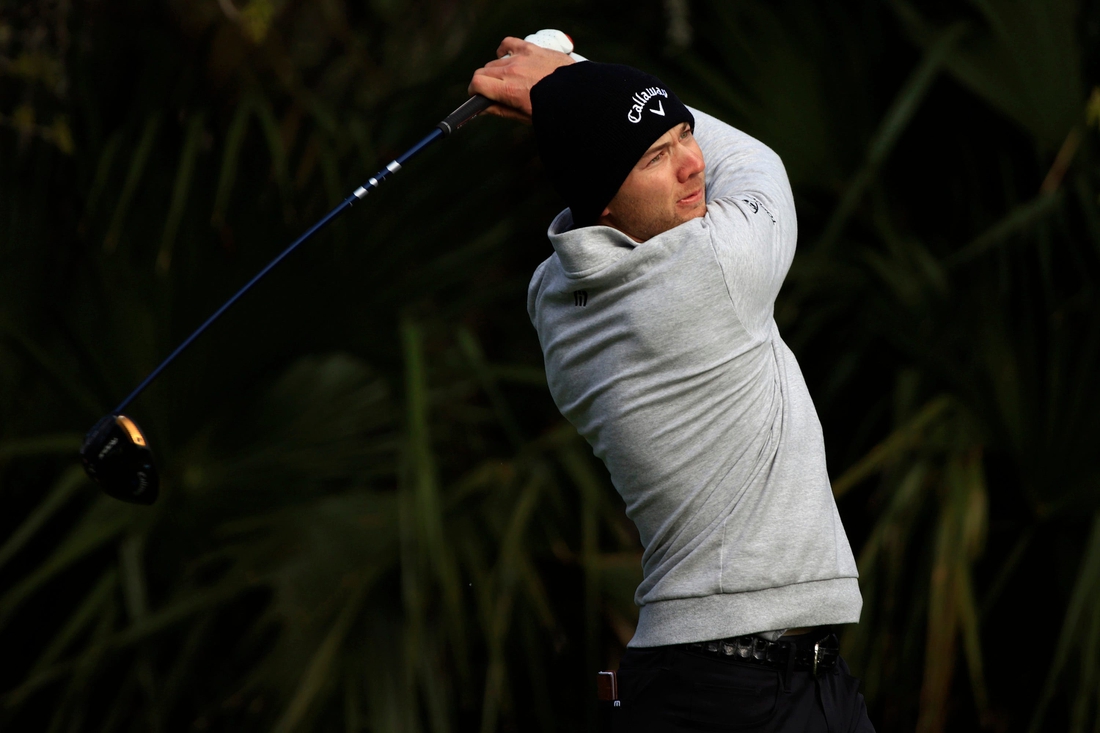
<point x="738" y="163"/>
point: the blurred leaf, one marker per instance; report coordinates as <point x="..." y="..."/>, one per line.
<point x="84" y="671"/>
<point x="99" y="183"/>
<point x="184" y="173"/>
<point x="1087" y="694"/>
<point x="897" y="118"/>
<point x="62" y="136"/>
<point x="1092" y="111"/>
<point x="152" y="625"/>
<point x="75" y="390"/>
<point x="591" y="491"/>
<point x="504" y="585"/>
<point x="487" y="380"/>
<point x="279" y="165"/>
<point x="58" y="497"/>
<point x="1084" y="606"/>
<point x="959" y="539"/>
<point x="319" y="674"/>
<point x="1020" y="218"/>
<point x="426" y="507"/>
<point x="899" y="442"/>
<point x="103" y="522"/>
<point x="44" y="445"/>
<point x="326" y="421"/>
<point x="23" y="119"/>
<point x="256" y="19"/>
<point x="1025" y="64"/>
<point x="133" y="178"/>
<point x="86" y="612"/>
<point x="234" y="140"/>
<point x="37" y="66"/>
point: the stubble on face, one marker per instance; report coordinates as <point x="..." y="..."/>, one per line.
<point x="664" y="189"/>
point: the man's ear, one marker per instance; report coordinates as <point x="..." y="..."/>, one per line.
<point x="602" y="219"/>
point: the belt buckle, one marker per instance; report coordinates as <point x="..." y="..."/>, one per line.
<point x="825" y="656"/>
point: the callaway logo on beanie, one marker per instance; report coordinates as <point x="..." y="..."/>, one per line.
<point x="593" y="122"/>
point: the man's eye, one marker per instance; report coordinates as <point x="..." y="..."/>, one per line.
<point x="686" y="132"/>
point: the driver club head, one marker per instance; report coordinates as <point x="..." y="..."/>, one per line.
<point x="116" y="456"/>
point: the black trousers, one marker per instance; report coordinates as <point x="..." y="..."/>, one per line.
<point x="682" y="688"/>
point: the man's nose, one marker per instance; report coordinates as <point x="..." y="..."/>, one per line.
<point x="690" y="163"/>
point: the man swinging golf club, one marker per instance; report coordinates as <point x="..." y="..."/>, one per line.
<point x="655" y="318"/>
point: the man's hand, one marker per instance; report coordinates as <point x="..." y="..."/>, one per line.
<point x="508" y="80"/>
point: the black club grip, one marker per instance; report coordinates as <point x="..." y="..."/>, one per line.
<point x="472" y="107"/>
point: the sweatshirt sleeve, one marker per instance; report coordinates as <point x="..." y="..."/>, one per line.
<point x="750" y="212"/>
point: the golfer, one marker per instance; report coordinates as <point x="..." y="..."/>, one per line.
<point x="654" y="314"/>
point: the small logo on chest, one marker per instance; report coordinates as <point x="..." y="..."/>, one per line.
<point x="580" y="298"/>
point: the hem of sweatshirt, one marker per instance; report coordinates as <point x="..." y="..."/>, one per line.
<point x="704" y="618"/>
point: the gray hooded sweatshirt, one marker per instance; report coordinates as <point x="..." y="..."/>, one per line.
<point x="666" y="357"/>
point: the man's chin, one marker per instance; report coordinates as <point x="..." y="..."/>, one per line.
<point x="693" y="212"/>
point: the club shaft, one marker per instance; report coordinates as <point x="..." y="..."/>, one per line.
<point x="452" y="122"/>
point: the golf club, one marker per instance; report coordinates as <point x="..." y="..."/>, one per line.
<point x="115" y="452"/>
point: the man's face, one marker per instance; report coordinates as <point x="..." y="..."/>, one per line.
<point x="663" y="190"/>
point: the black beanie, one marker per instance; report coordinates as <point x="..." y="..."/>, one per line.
<point x="593" y="122"/>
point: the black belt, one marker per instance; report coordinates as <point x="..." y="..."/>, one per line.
<point x="810" y="651"/>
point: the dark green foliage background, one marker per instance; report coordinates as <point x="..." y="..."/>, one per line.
<point x="373" y="518"/>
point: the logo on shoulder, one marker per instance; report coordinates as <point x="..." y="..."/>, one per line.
<point x="754" y="203"/>
<point x="580" y="298"/>
<point x="642" y="98"/>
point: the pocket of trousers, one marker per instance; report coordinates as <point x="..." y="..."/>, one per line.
<point x="729" y="696"/>
<point x="634" y="684"/>
<point x="845" y="709"/>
